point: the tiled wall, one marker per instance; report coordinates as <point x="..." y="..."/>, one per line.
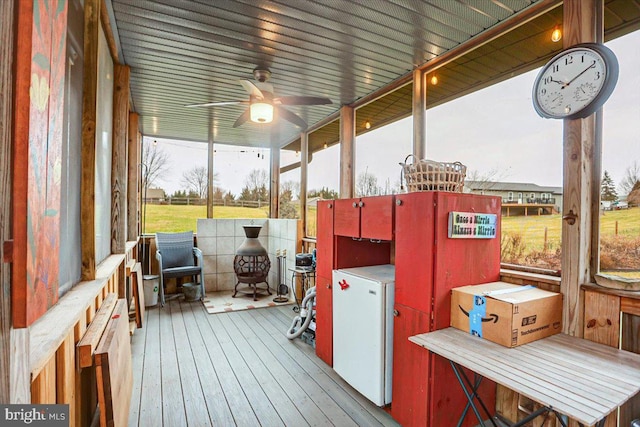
<point x="219" y="238"/>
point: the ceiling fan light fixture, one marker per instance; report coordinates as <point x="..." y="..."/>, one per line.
<point x="261" y="112"/>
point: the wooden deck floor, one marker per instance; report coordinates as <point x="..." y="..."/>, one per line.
<point x="197" y="369"/>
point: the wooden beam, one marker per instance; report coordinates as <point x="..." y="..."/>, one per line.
<point x="119" y="158"/>
<point x="89" y="96"/>
<point x="7" y="32"/>
<point x="578" y="171"/>
<point x="20" y="371"/>
<point x="602" y="318"/>
<point x="89" y="341"/>
<point x="274" y="183"/>
<point x="108" y="32"/>
<point x="210" y="176"/>
<point x="133" y="181"/>
<point x="304" y="167"/>
<point x="419" y="114"/>
<point x="347" y="151"/>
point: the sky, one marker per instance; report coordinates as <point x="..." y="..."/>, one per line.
<point x="494" y="131"/>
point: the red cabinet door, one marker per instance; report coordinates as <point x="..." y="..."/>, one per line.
<point x="324" y="320"/>
<point x="409" y="405"/>
<point x="347" y="218"/>
<point x="376" y="217"/>
<point x="461" y="262"/>
<point x="324" y="239"/>
<point x="414" y="237"/>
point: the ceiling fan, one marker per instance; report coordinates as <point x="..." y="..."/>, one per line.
<point x="262" y="103"/>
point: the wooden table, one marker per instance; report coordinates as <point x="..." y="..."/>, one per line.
<point x="576" y="377"/>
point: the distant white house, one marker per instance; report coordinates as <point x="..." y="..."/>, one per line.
<point x="154" y="195"/>
<point x="520" y="198"/>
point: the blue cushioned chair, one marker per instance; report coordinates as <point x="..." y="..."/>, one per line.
<point x="177" y="257"/>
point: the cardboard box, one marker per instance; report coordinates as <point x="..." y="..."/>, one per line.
<point x="506" y="314"/>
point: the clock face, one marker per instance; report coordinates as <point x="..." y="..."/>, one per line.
<point x="575" y="83"/>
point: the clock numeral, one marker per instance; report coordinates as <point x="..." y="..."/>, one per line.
<point x="569" y="60"/>
<point x="597" y="75"/>
<point x="556" y="68"/>
<point x="543" y="91"/>
<point x="547" y="80"/>
<point x="582" y="59"/>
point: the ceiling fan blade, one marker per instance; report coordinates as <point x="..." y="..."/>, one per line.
<point x="302" y="100"/>
<point x="217" y="104"/>
<point x="243" y="118"/>
<point x="252" y="89"/>
<point x="290" y="117"/>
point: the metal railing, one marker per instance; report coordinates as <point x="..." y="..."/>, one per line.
<point x="529" y="201"/>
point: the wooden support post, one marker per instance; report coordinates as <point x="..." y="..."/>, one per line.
<point x="89" y="91"/>
<point x="19" y="368"/>
<point x="210" y="175"/>
<point x="578" y="162"/>
<point x="304" y="162"/>
<point x="6" y="98"/>
<point x="133" y="178"/>
<point x="119" y="158"/>
<point x="419" y="114"/>
<point x="347" y="151"/>
<point x="274" y="183"/>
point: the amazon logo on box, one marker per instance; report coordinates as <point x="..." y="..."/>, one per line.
<point x="506" y="314"/>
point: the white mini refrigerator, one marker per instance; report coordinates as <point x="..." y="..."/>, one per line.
<point x="363" y="329"/>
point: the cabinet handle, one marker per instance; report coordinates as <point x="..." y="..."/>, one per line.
<point x="398" y="202"/>
<point x="328" y="286"/>
<point x="396" y="313"/>
<point x="330" y="205"/>
<point x="361" y="204"/>
<point x="355" y="205"/>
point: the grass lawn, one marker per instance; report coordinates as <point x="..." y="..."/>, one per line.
<point x="169" y="218"/>
<point x="532" y="227"/>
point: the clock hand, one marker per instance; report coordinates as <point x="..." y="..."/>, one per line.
<point x="583" y="71"/>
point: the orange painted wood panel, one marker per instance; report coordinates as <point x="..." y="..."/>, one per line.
<point x="324" y="239"/>
<point x="414" y="238"/>
<point x="347" y="218"/>
<point x="461" y="262"/>
<point x="377" y="217"/>
<point x="43" y="387"/>
<point x="324" y="320"/>
<point x="410" y="368"/>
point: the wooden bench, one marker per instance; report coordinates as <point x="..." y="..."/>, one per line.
<point x="581" y="379"/>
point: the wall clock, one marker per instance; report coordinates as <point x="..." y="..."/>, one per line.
<point x="576" y="82"/>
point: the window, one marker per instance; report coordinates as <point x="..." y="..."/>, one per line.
<point x="70" y="259"/>
<point x="104" y="120"/>
<point x="620" y="194"/>
<point x="510" y="196"/>
<point x="532" y="195"/>
<point x="323" y="182"/>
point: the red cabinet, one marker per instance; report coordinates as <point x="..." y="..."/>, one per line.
<point x="325" y="254"/>
<point x="428" y="265"/>
<point x="366" y="218"/>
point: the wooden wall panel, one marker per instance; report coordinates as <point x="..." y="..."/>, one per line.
<point x="43" y="388"/>
<point x="89" y="90"/>
<point x="133" y="159"/>
<point x="6" y="98"/>
<point x="66" y="376"/>
<point x="119" y="158"/>
<point x="602" y="318"/>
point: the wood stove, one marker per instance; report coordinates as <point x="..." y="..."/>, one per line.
<point x="251" y="265"/>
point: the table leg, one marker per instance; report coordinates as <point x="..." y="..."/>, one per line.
<point x="470" y="396"/>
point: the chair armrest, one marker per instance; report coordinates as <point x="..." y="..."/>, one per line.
<point x="159" y="258"/>
<point x="197" y="252"/>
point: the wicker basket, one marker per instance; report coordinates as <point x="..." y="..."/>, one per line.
<point x="429" y="175"/>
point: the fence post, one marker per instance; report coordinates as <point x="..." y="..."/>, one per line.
<point x="616" y="227"/>
<point x="545" y="239"/>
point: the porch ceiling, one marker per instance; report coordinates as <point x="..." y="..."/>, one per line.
<point x="184" y="52"/>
